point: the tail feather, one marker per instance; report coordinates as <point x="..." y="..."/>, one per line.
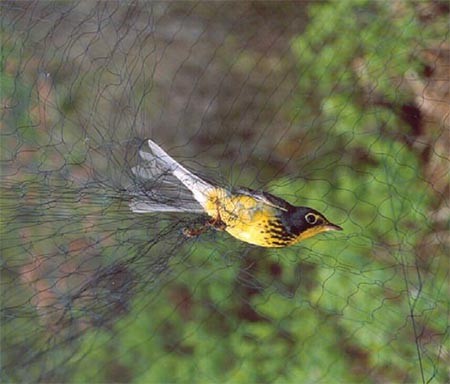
<point x="199" y="188"/>
<point x="171" y="187"/>
<point x="148" y="202"/>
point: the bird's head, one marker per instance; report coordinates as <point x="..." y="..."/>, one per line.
<point x="309" y="222"/>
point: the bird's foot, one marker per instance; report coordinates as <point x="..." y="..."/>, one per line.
<point x="194" y="232"/>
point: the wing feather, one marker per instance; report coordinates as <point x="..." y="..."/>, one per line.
<point x="266" y="198"/>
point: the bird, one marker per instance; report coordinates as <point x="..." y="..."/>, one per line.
<point x="252" y="216"/>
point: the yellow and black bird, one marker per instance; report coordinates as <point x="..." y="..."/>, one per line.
<point x="254" y="217"/>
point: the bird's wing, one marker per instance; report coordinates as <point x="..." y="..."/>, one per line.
<point x="161" y="195"/>
<point x="266" y="198"/>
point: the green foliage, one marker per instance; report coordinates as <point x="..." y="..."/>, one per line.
<point x="340" y="33"/>
<point x="339" y="309"/>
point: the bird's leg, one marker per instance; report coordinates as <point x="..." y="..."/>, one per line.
<point x="215" y="222"/>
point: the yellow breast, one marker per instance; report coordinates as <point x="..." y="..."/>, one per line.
<point x="248" y="219"/>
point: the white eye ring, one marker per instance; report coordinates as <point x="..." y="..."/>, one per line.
<point x="311" y="218"/>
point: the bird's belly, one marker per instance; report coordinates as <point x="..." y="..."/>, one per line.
<point x="261" y="231"/>
<point x="250" y="220"/>
<point x="254" y="234"/>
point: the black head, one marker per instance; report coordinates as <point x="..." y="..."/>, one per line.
<point x="307" y="222"/>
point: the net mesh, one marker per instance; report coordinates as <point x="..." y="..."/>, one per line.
<point x="341" y="106"/>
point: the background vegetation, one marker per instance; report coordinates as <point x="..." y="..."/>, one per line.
<point x="342" y="106"/>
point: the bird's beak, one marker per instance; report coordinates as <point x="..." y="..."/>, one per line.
<point x="333" y="227"/>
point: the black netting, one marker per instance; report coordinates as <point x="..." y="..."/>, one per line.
<point x="341" y="106"/>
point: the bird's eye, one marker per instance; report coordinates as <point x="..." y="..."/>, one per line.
<point x="311" y="218"/>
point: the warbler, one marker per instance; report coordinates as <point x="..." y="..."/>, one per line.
<point x="258" y="218"/>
